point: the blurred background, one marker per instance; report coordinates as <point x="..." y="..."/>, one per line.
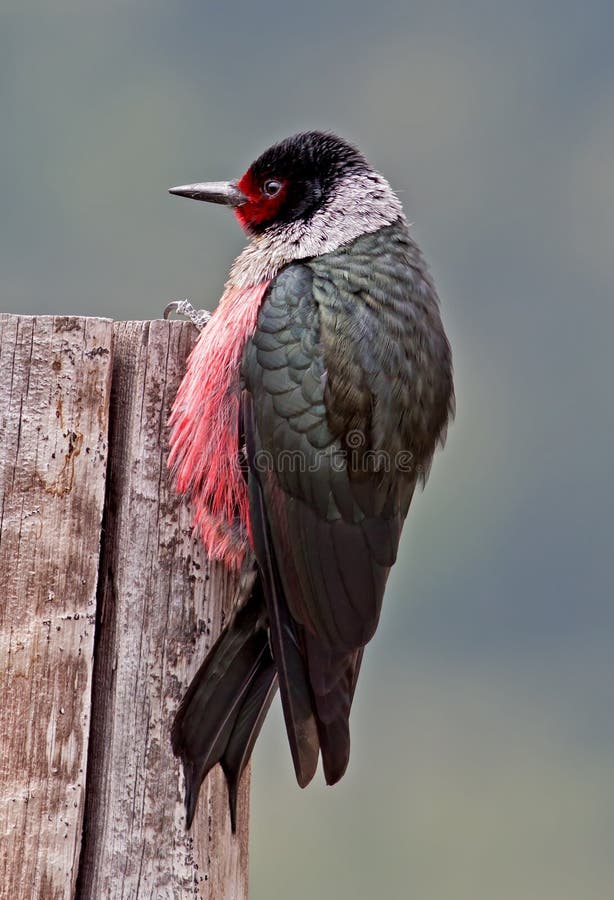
<point x="483" y="729"/>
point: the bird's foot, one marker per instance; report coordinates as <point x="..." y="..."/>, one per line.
<point x="198" y="317"/>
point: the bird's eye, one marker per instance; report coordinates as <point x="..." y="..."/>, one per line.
<point x="271" y="187"/>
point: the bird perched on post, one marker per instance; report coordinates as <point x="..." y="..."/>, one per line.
<point x="312" y="405"/>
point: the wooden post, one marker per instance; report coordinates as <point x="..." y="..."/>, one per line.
<point x="113" y="827"/>
<point x="54" y="398"/>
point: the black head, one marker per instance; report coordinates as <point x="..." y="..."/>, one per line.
<point x="290" y="181"/>
<point x="293" y="179"/>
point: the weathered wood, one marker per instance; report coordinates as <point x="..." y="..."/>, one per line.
<point x="160" y="609"/>
<point x="54" y="393"/>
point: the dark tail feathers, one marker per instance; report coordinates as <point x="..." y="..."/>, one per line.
<point x="222" y="712"/>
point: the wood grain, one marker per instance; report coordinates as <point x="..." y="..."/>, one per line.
<point x="54" y="395"/>
<point x="161" y="607"/>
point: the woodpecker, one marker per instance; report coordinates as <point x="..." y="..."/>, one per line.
<point x="310" y="410"/>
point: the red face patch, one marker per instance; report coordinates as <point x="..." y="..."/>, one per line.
<point x="265" y="197"/>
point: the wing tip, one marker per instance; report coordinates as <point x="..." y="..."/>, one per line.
<point x="305" y="749"/>
<point x="305" y="776"/>
<point x="334" y="773"/>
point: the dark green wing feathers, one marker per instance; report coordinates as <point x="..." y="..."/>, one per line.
<point x="347" y="389"/>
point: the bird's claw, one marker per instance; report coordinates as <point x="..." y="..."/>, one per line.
<point x="198" y="317"/>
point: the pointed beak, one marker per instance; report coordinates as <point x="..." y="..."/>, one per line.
<point x="225" y="192"/>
